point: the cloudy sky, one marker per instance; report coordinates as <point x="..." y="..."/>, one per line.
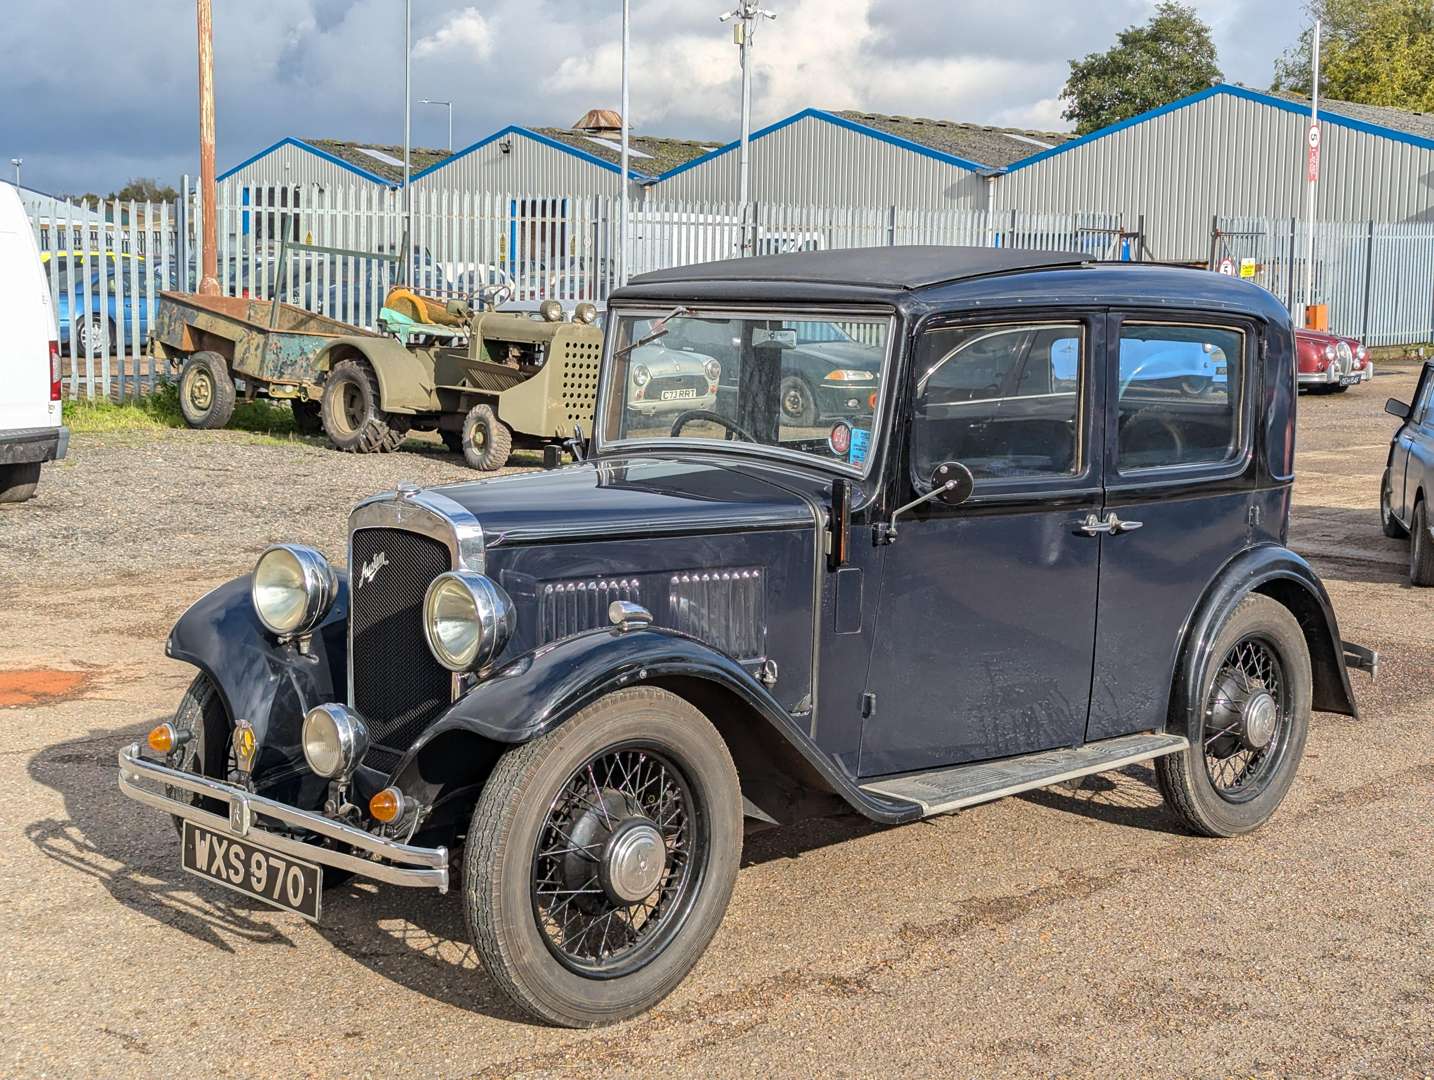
<point x="122" y="105"/>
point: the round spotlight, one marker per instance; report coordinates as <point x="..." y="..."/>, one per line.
<point x="293" y="588"/>
<point x="334" y="739"/>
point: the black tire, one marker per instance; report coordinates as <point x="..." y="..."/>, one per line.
<point x="1208" y="806"/>
<point x="1388" y="523"/>
<point x="487" y="442"/>
<point x="307" y="421"/>
<point x="352" y="415"/>
<point x="452" y="440"/>
<point x="799" y="402"/>
<point x="201" y="712"/>
<point x="206" y="391"/>
<point x="18" y="482"/>
<point x="502" y="893"/>
<point x="1421" y="547"/>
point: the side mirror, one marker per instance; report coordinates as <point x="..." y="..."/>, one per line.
<point x="952" y="482"/>
<point x="1395" y="407"/>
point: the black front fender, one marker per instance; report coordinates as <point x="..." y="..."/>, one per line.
<point x="1279" y="573"/>
<point x="259" y="680"/>
<point x="541" y="689"/>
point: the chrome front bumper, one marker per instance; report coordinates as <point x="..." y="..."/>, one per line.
<point x="405" y="865"/>
<point x="1331" y="376"/>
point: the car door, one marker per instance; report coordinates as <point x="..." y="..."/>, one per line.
<point x="986" y="617"/>
<point x="1413" y="448"/>
<point x="1179" y="478"/>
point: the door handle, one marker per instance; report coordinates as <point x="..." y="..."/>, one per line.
<point x="1111" y="524"/>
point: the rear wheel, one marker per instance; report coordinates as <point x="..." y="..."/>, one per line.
<point x="799" y="404"/>
<point x="94" y="334"/>
<point x="487" y="442"/>
<point x="1250" y="735"/>
<point x="1387" y="521"/>
<point x="352" y="414"/>
<point x="18" y="482"/>
<point x="206" y="391"/>
<point x="601" y="857"/>
<point x="1421" y="547"/>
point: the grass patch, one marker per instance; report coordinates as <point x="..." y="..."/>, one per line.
<point x="160" y="410"/>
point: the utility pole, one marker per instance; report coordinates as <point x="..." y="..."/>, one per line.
<point x="746" y="13"/>
<point x="1312" y="156"/>
<point x="208" y="189"/>
<point x="622" y="202"/>
<point x="449" y="104"/>
<point x="407" y="155"/>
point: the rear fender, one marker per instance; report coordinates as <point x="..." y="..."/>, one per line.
<point x="259" y="680"/>
<point x="1279" y="573"/>
<point x="405" y="378"/>
<point x="540" y="690"/>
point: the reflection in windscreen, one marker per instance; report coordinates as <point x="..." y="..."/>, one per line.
<point x="806" y="384"/>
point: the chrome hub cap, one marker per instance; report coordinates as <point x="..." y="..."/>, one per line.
<point x="634" y="861"/>
<point x="1261" y="715"/>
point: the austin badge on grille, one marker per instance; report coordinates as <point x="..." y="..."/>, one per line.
<point x="370" y="569"/>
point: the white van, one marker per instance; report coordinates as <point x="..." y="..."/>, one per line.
<point x="30" y="427"/>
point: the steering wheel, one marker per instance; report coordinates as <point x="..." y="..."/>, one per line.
<point x="733" y="431"/>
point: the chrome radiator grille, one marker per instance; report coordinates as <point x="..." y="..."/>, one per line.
<point x="398" y="687"/>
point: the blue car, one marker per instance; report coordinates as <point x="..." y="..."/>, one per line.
<point x="108" y="318"/>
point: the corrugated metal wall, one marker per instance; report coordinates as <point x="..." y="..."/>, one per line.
<point x="529" y="166"/>
<point x="815" y="163"/>
<point x="293" y="165"/>
<point x="1230" y="156"/>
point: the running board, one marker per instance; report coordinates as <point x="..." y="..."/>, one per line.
<point x="941" y="791"/>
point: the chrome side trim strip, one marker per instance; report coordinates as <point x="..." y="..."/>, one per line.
<point x="423" y="867"/>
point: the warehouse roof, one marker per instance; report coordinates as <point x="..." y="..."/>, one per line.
<point x="649" y="155"/>
<point x="981" y="143"/>
<point x="1411" y="123"/>
<point x="378" y="162"/>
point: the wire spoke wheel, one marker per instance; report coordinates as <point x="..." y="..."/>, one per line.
<point x="1246" y="720"/>
<point x="617" y="861"/>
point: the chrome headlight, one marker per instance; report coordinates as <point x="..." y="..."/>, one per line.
<point x="713" y="370"/>
<point x="1329" y="352"/>
<point x="293" y="588"/>
<point x="467" y="619"/>
<point x="335" y="741"/>
<point x="641" y="376"/>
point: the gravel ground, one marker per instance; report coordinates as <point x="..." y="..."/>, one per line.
<point x="1061" y="933"/>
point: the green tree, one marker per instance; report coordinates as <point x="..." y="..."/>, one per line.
<point x="1375" y="52"/>
<point x="1148" y="66"/>
<point x="145" y="189"/>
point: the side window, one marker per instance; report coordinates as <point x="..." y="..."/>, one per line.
<point x="1179" y="396"/>
<point x="1002" y="400"/>
<point x="1421" y="413"/>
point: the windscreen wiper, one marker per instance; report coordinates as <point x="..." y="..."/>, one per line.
<point x="659" y="329"/>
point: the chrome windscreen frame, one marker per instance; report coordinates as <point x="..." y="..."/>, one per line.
<point x="426" y="512"/>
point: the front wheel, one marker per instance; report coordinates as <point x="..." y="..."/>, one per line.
<point x="487" y="442"/>
<point x="799" y="404"/>
<point x="94" y="334"/>
<point x="1388" y="523"/>
<point x="1249" y="736"/>
<point x="352" y="411"/>
<point x="601" y="857"/>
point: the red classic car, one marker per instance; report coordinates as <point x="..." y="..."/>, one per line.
<point x="1329" y="362"/>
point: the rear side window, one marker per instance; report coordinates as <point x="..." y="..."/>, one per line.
<point x="1179" y="397"/>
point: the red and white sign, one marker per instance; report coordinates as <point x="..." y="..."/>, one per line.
<point x="1227" y="266"/>
<point x="1312" y="153"/>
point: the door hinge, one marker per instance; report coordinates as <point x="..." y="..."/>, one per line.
<point x="868" y="705"/>
<point x="1254" y="515"/>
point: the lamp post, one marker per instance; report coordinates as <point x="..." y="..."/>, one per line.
<point x="17" y="162"/>
<point x="407" y="156"/>
<point x="746" y="13"/>
<point x="1312" y="162"/>
<point x="449" y="106"/>
<point x="622" y="203"/>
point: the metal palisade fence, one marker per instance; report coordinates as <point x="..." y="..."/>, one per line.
<point x="107" y="263"/>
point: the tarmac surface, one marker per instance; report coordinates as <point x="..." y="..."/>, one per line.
<point x="1065" y="932"/>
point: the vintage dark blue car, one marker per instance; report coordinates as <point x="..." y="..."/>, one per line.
<point x="1408" y="482"/>
<point x="1027" y="563"/>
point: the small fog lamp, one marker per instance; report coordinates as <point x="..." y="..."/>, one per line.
<point x="387" y="806"/>
<point x="334" y="741"/>
<point x="166" y="738"/>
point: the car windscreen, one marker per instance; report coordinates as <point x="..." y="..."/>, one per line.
<point x="770" y="380"/>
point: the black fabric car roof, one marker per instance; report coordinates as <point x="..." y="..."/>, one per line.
<point x="912" y="267"/>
